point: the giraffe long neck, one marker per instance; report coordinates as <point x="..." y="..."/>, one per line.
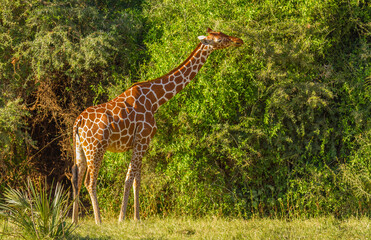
<point x="169" y="85"/>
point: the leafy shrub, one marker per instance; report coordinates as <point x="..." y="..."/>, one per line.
<point x="37" y="212"/>
<point x="277" y="127"/>
<point x="13" y="136"/>
<point x="56" y="56"/>
<point x="264" y="128"/>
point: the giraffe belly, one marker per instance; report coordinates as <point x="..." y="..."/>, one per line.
<point x="121" y="137"/>
<point x="115" y="150"/>
<point x="122" y="144"/>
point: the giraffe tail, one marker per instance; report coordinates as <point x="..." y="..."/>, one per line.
<point x="75" y="189"/>
<point x="75" y="170"/>
<point x="75" y="173"/>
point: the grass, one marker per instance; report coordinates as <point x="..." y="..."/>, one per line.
<point x="40" y="214"/>
<point x="219" y="228"/>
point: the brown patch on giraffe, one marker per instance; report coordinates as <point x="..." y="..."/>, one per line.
<point x="100" y="110"/>
<point x="178" y="80"/>
<point x="116" y="118"/>
<point x="131" y="116"/>
<point x="197" y="55"/>
<point x="148" y="104"/>
<point x="131" y="129"/>
<point x="182" y="69"/>
<point x="149" y="117"/>
<point x="142" y="99"/>
<point x="120" y="98"/>
<point x="84" y="144"/>
<point x="177" y="74"/>
<point x="193" y="74"/>
<point x="116" y="110"/>
<point x="96" y="142"/>
<point x="188" y="71"/>
<point x="162" y="101"/>
<point x="130" y="101"/>
<point x="100" y="145"/>
<point x="159" y="90"/>
<point x="124" y="132"/>
<point x="179" y="88"/>
<point x="145" y="90"/>
<point x="89" y="133"/>
<point x="165" y="81"/>
<point x="115" y="137"/>
<point x="151" y="96"/>
<point x="102" y="124"/>
<point x="170" y="86"/>
<point x="113" y="127"/>
<point x="123" y="125"/>
<point x="93" y="116"/>
<point x="84" y="129"/>
<point x="189" y="63"/>
<point x="84" y="115"/>
<point x="140" y="117"/>
<point x="105" y="134"/>
<point x="111" y="105"/>
<point x="169" y="95"/>
<point x="125" y="139"/>
<point x="136" y="91"/>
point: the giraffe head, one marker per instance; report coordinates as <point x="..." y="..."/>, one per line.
<point x="219" y="40"/>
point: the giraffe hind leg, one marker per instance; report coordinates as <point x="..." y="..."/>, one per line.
<point x="78" y="171"/>
<point x="91" y="182"/>
<point x="128" y="184"/>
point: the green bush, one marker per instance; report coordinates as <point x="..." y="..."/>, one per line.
<point x="13" y="137"/>
<point x="56" y="56"/>
<point x="264" y="128"/>
<point x="36" y="212"/>
<point x="277" y="127"/>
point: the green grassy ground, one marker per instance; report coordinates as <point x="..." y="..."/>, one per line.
<point x="218" y="228"/>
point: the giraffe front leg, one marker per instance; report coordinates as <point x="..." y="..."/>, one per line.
<point x="141" y="148"/>
<point x="128" y="183"/>
<point x="136" y="189"/>
<point x="134" y="175"/>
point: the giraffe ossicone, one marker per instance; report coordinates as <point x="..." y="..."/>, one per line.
<point x="128" y="122"/>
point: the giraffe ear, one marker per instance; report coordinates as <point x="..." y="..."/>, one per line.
<point x="203" y="40"/>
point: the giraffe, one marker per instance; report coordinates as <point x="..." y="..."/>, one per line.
<point x="128" y="122"/>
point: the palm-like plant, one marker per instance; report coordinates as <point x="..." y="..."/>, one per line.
<point x="39" y="213"/>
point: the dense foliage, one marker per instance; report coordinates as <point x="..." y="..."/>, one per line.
<point x="278" y="127"/>
<point x="56" y="58"/>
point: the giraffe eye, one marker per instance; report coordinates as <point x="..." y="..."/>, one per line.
<point x="218" y="40"/>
